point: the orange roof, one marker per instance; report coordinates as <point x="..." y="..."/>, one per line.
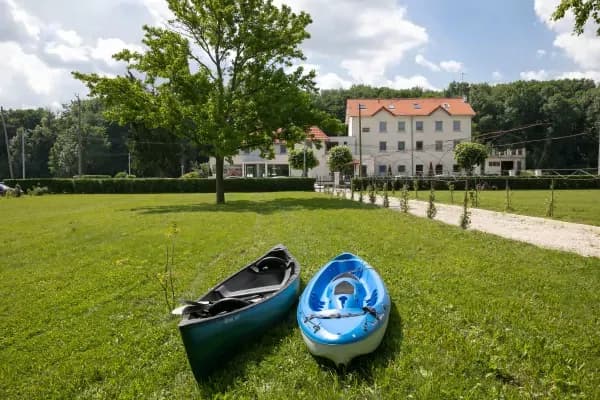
<point x="398" y="107"/>
<point x="315" y="133"/>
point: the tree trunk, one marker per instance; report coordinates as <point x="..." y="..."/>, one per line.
<point x="219" y="181"/>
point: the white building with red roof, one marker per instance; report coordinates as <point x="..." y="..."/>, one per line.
<point x="408" y="136"/>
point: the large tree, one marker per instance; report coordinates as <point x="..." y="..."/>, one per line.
<point x="582" y="10"/>
<point x="220" y="74"/>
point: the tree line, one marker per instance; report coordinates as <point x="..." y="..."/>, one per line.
<point x="50" y="141"/>
<point x="531" y="114"/>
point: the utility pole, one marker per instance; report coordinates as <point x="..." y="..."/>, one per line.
<point x="10" y="170"/>
<point x="79" y="147"/>
<point x="23" y="151"/>
<point x="598" y="127"/>
<point x="360" y="107"/>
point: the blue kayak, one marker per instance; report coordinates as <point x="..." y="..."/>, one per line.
<point x="344" y="310"/>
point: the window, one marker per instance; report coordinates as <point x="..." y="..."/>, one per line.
<point x="419" y="169"/>
<point x="455" y="142"/>
<point x="419" y="126"/>
<point x="439" y="126"/>
<point x="439" y="169"/>
<point x="519" y="152"/>
<point x="439" y="145"/>
<point x="382" y="146"/>
<point x="366" y="129"/>
<point x="382" y="126"/>
<point x="401" y="168"/>
<point x="456" y="126"/>
<point x="382" y="169"/>
<point x="400" y="146"/>
<point x="493" y="163"/>
<point x="455" y="168"/>
<point x="401" y="126"/>
<point x="419" y="145"/>
<point x="282" y="149"/>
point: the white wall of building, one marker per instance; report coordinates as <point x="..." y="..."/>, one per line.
<point x="389" y="140"/>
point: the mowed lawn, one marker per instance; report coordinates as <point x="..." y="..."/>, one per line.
<point x="474" y="316"/>
<point x="581" y="206"/>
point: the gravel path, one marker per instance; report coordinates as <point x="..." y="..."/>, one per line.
<point x="577" y="238"/>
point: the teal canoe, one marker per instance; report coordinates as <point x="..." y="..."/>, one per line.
<point x="238" y="309"/>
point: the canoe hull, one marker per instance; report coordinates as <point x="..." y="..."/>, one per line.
<point x="209" y="340"/>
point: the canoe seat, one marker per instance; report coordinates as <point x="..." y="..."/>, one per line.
<point x="253" y="291"/>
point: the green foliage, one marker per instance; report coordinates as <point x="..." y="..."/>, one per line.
<point x="583" y="11"/>
<point x="470" y="154"/>
<point x="465" y="218"/>
<point x="165" y="278"/>
<point x="165" y="185"/>
<point x="404" y="198"/>
<point x="431" y="209"/>
<point x="123" y="175"/>
<point x="386" y="198"/>
<point x="340" y="159"/>
<point x="37" y="190"/>
<point x="415" y="183"/>
<point x="215" y="76"/>
<point x="451" y="190"/>
<point x="296" y="159"/>
<point x="372" y="195"/>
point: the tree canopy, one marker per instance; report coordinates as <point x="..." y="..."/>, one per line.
<point x="302" y="158"/>
<point x="470" y="154"/>
<point x="583" y="10"/>
<point x="340" y="159"/>
<point x="221" y="75"/>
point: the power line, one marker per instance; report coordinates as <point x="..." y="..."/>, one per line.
<point x="545" y="139"/>
<point x="502" y="132"/>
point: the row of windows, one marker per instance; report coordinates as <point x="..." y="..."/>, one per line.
<point x="439" y="169"/>
<point x="439" y="145"/>
<point x="439" y="126"/>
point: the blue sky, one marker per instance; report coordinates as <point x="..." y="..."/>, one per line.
<point x="395" y="43"/>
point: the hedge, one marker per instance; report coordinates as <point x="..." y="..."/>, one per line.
<point x="163" y="185"/>
<point x="487" y="182"/>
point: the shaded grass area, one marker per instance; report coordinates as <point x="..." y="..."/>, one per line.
<point x="581" y="206"/>
<point x="82" y="313"/>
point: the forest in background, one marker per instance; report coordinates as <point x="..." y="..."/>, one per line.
<point x="534" y="114"/>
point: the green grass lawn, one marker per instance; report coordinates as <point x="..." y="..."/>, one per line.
<point x="582" y="206"/>
<point x="474" y="316"/>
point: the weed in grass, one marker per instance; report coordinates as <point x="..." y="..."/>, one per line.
<point x="165" y="278"/>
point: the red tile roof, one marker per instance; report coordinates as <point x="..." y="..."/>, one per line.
<point x="415" y="107"/>
<point x="315" y="133"/>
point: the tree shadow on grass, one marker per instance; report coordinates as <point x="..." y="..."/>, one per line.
<point x="364" y="367"/>
<point x="259" y="207"/>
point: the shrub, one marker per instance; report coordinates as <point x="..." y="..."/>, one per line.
<point x="123" y="174"/>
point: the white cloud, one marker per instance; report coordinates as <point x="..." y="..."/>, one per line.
<point x="17" y="65"/>
<point x="32" y="25"/>
<point x="451" y="66"/>
<point x="583" y="50"/>
<point x="332" y="81"/>
<point x="365" y="40"/>
<point x="540" y="53"/>
<point x="105" y="48"/>
<point x="497" y="75"/>
<point x="400" y="82"/>
<point x="540" y="75"/>
<point x="422" y="61"/>
<point x="594" y="75"/>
